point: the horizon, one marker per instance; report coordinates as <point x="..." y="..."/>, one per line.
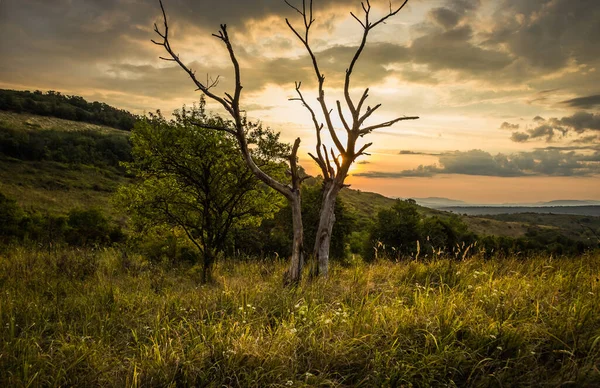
<point x="509" y="105"/>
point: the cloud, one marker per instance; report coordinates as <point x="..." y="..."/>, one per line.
<point x="587" y="139"/>
<point x="506" y="125"/>
<point x="547" y="162"/>
<point x="579" y="123"/>
<point x="549" y="34"/>
<point x="407" y="152"/>
<point x="453" y="50"/>
<point x="471" y="50"/>
<point x="591" y="147"/>
<point x="519" y="137"/>
<point x="582" y="121"/>
<point x="586" y="102"/>
<point x="444" y="17"/>
<point x="545" y="130"/>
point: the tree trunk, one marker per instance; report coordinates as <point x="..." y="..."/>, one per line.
<point x="294" y="273"/>
<point x="208" y="260"/>
<point x="326" y="221"/>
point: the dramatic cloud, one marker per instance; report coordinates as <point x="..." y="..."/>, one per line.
<point x="445" y="17"/>
<point x="544" y="162"/>
<point x="578" y="123"/>
<point x="586" y="102"/>
<point x="581" y="121"/>
<point x="453" y="50"/>
<point x="549" y="34"/>
<point x="466" y="67"/>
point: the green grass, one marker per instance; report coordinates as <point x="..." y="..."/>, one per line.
<point x="573" y="226"/>
<point x="54" y="187"/>
<point x="105" y="318"/>
<point x="58" y="188"/>
<point x="31" y="122"/>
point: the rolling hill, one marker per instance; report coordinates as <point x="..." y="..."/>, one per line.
<point x="48" y="182"/>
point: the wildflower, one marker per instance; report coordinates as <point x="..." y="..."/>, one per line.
<point x="289" y="383"/>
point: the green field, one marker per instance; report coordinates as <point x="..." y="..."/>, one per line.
<point x="104" y="318"/>
<point x="57" y="187"/>
<point x="132" y="312"/>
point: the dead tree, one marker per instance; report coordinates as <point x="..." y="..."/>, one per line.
<point x="231" y="104"/>
<point x="335" y="163"/>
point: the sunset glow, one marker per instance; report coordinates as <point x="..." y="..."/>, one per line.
<point x="507" y="91"/>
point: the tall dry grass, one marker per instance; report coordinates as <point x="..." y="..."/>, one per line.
<point x="105" y="318"/>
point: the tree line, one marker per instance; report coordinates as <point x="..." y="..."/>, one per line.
<point x="72" y="147"/>
<point x="75" y="108"/>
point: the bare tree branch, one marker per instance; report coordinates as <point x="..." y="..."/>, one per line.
<point x="231" y="103"/>
<point x="362" y="150"/>
<point x="174" y="57"/>
<point x="318" y="127"/>
<point x="368" y="113"/>
<point x="358" y="20"/>
<point x="366" y="130"/>
<point x="308" y="20"/>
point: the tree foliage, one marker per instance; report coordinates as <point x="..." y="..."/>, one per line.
<point x="195" y="179"/>
<point x="80" y="227"/>
<point x="73" y="147"/>
<point x="402" y="231"/>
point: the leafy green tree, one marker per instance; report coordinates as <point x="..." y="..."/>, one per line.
<point x="195" y="179"/>
<point x="395" y="232"/>
<point x="86" y="227"/>
<point x="401" y="231"/>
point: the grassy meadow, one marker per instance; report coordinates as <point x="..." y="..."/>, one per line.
<point x="133" y="312"/>
<point x="77" y="317"/>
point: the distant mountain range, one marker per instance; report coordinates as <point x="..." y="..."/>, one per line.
<point x="440" y="202"/>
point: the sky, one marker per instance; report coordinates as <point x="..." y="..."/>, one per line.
<point x="507" y="91"/>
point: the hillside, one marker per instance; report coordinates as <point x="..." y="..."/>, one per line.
<point x="31" y="173"/>
<point x="55" y="165"/>
<point x="76" y="108"/>
<point x="29" y="122"/>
